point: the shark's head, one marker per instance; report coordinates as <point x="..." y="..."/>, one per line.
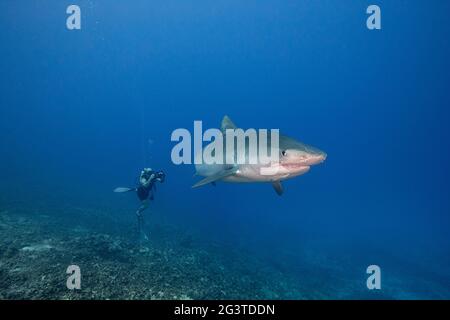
<point x="296" y="158"/>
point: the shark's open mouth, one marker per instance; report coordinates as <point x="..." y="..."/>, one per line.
<point x="295" y="166"/>
<point x="310" y="161"/>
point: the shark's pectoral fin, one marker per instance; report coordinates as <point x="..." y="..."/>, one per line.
<point x="218" y="176"/>
<point x="277" y="187"/>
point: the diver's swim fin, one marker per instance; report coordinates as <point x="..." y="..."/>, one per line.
<point x="278" y="187"/>
<point x="218" y="176"/>
<point x="122" y="189"/>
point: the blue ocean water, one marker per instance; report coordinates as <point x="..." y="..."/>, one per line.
<point x="83" y="111"/>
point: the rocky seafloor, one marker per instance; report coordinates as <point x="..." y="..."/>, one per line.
<point x="36" y="249"/>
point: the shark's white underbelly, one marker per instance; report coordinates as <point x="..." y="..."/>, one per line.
<point x="251" y="173"/>
<point x="254" y="174"/>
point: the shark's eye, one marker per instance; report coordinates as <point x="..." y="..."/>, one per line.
<point x="283" y="153"/>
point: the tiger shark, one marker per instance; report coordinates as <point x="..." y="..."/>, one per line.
<point x="294" y="159"/>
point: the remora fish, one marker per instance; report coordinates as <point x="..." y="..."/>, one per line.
<point x="295" y="159"/>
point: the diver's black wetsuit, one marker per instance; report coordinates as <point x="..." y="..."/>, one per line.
<point x="145" y="192"/>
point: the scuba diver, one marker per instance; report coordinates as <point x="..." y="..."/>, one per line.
<point x="145" y="192"/>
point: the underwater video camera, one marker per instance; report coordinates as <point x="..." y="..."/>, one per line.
<point x="161" y="176"/>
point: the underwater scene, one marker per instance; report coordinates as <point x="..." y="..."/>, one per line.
<point x="197" y="150"/>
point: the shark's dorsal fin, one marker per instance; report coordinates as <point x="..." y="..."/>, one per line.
<point x="218" y="176"/>
<point x="278" y="187"/>
<point x="227" y="124"/>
